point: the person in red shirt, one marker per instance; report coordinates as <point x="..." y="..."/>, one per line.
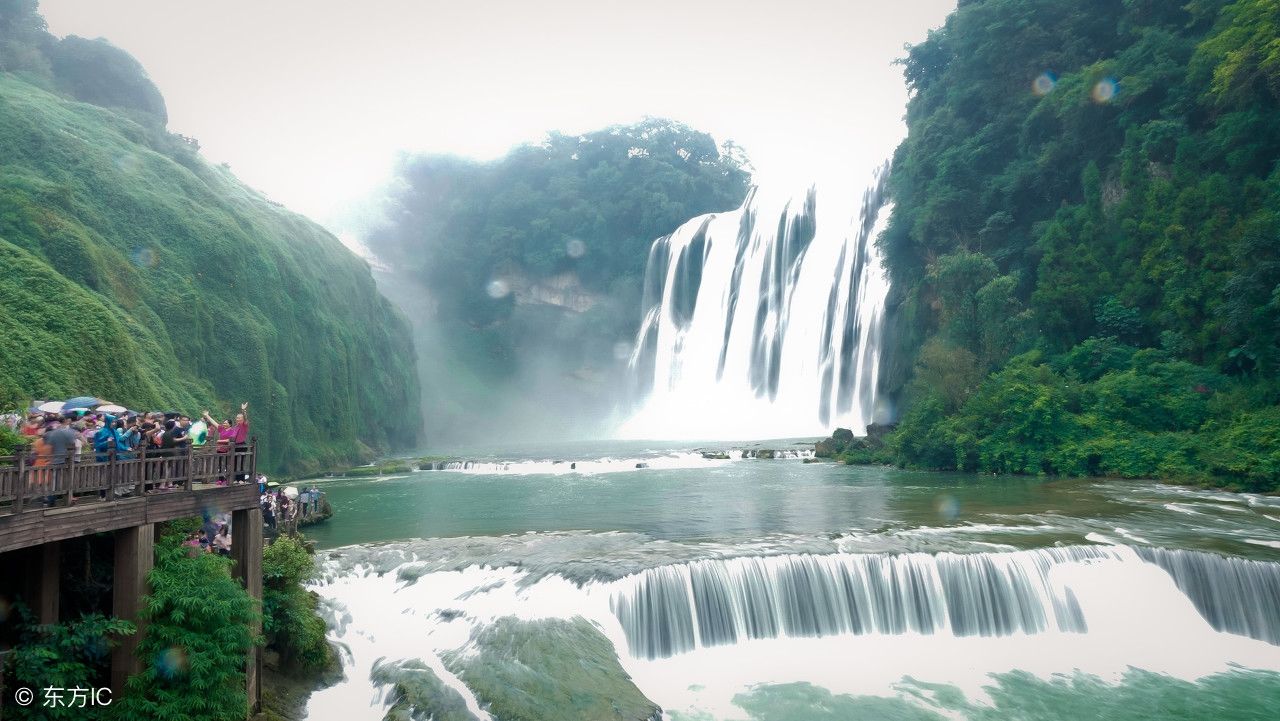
<point x="238" y="437"/>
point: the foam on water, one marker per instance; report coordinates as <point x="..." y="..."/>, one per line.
<point x="797" y="618"/>
<point x="666" y="461"/>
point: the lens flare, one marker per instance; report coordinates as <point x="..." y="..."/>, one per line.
<point x="172" y="662"/>
<point x="948" y="507"/>
<point x="128" y="163"/>
<point x="1105" y="90"/>
<point x="143" y="257"/>
<point x="498" y="288"/>
<point x="1044" y="84"/>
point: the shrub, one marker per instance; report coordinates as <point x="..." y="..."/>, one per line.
<point x="289" y="610"/>
<point x="196" y="642"/>
<point x="65" y="655"/>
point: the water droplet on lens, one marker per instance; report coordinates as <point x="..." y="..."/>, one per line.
<point x="1044" y="84"/>
<point x="497" y="288"/>
<point x="948" y="507"/>
<point x="1105" y="90"/>
<point x="575" y="248"/>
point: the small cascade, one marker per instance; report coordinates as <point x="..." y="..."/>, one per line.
<point x="674" y="609"/>
<point x="763" y="322"/>
<point x="1235" y="595"/>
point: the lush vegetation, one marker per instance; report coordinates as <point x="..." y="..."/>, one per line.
<point x="69" y="655"/>
<point x="533" y="264"/>
<point x="196" y="640"/>
<point x="1085" y="246"/>
<point x="289" y="618"/>
<point x="133" y="270"/>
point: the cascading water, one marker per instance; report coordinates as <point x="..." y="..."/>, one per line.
<point x="763" y="322"/>
<point x="674" y="609"/>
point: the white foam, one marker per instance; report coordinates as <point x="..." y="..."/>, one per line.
<point x="1136" y="618"/>
<point x="1268" y="544"/>
<point x="1131" y="536"/>
<point x="667" y="461"/>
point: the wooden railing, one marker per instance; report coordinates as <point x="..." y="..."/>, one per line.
<point x="29" y="482"/>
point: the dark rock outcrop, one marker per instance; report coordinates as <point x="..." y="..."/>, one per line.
<point x="851" y="449"/>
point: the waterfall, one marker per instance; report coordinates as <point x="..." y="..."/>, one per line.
<point x="763" y="322"/>
<point x="1233" y="594"/>
<point x="673" y="609"/>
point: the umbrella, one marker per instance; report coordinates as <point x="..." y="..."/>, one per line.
<point x="112" y="409"/>
<point x="51" y="407"/>
<point x="290" y="492"/>
<point x="80" y="402"/>
<point x="272" y="484"/>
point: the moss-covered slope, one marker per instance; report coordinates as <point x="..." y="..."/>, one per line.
<point x="132" y="269"/>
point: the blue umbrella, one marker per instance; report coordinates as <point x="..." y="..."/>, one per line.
<point x="80" y="402"/>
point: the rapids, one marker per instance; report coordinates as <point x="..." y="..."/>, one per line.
<point x="751" y="589"/>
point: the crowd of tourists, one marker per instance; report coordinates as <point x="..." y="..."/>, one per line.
<point x="287" y="505"/>
<point x="56" y="438"/>
<point x="217" y="541"/>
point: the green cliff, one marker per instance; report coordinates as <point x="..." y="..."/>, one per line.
<point x="132" y="269"/>
<point x="1085" y="244"/>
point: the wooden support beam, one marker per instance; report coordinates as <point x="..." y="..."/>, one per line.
<point x="43" y="575"/>
<point x="134" y="558"/>
<point x="246" y="551"/>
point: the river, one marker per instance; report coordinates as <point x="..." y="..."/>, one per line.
<point x="630" y="580"/>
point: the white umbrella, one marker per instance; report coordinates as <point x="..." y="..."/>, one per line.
<point x="290" y="492"/>
<point x="51" y="406"/>
<point x="112" y="408"/>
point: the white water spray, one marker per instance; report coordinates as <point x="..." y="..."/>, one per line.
<point x="764" y="322"/>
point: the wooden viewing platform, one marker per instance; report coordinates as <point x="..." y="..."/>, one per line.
<point x="124" y="495"/>
<point x="53" y="502"/>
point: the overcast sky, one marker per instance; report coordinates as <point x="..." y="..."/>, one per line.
<point x="310" y="101"/>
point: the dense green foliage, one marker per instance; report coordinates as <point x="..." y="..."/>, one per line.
<point x="461" y="224"/>
<point x="133" y="270"/>
<point x="533" y="264"/>
<point x="196" y="640"/>
<point x="289" y="618"/>
<point x="69" y="655"/>
<point x="1085" y="245"/>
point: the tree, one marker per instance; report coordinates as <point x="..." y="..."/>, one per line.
<point x="196" y="641"/>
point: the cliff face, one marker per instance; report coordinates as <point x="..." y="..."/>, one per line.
<point x="132" y="269"/>
<point x="1083" y="242"/>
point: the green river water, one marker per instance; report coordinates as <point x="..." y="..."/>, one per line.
<point x="522" y="587"/>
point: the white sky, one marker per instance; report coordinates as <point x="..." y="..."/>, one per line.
<point x="310" y="100"/>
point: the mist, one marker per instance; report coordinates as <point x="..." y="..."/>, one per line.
<point x="522" y="277"/>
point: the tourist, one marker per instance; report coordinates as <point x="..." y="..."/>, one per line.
<point x="239" y="439"/>
<point x="104" y="440"/>
<point x="62" y="441"/>
<point x="222" y="541"/>
<point x="268" y="512"/>
<point x="41" y="456"/>
<point x="90" y="429"/>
